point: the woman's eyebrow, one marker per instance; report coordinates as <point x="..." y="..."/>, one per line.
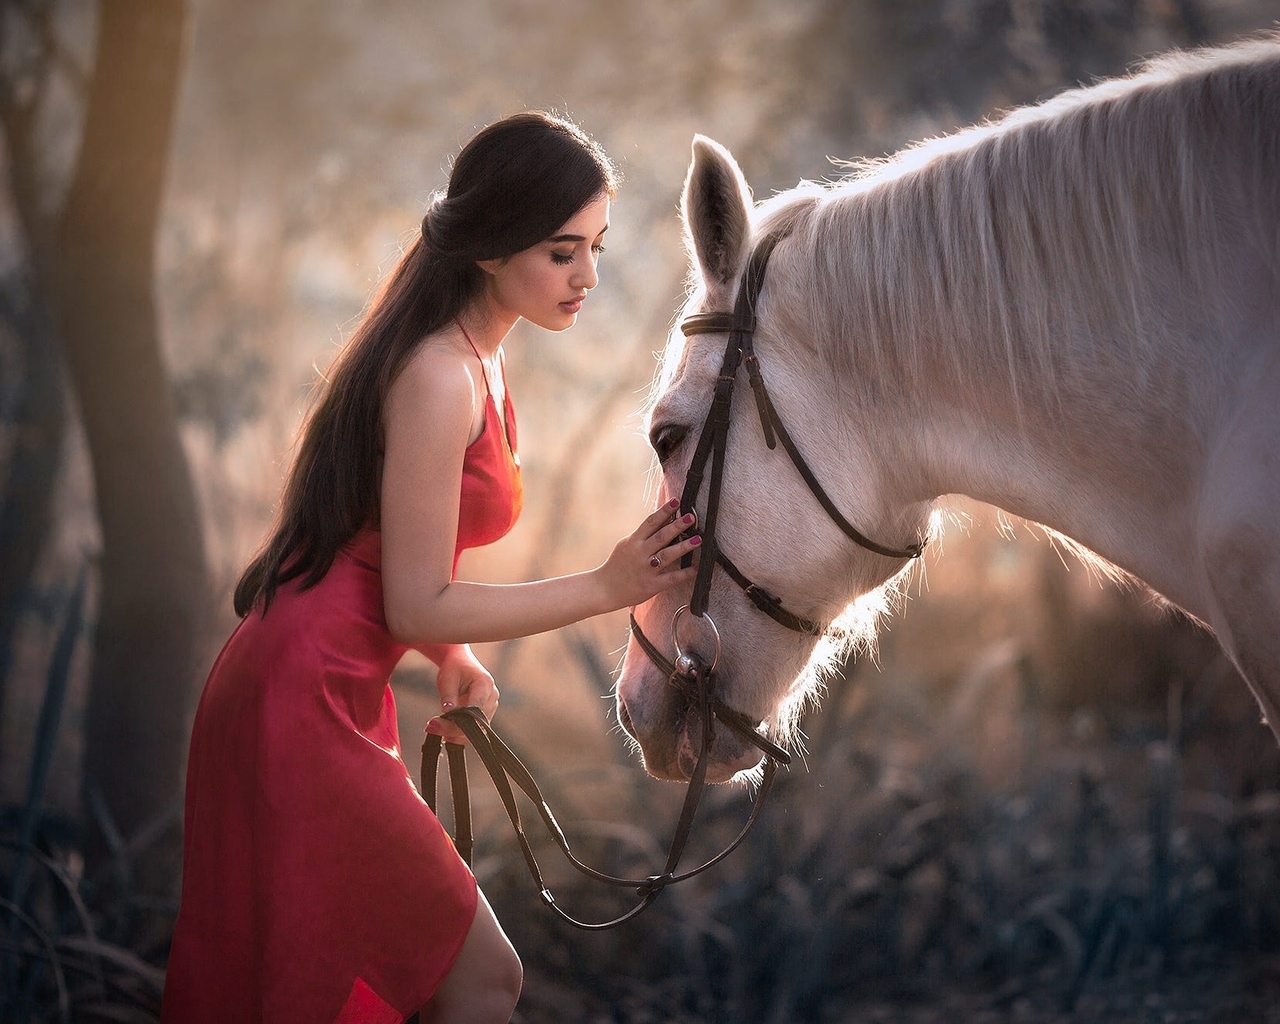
<point x="575" y="238"/>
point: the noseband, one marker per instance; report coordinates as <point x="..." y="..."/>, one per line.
<point x="740" y="327"/>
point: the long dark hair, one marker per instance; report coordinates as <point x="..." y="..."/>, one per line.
<point x="511" y="186"/>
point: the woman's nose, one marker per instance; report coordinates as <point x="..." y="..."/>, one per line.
<point x="587" y="276"/>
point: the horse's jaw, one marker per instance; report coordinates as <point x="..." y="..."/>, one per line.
<point x="665" y="722"/>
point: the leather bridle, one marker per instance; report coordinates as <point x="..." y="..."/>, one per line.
<point x="740" y="325"/>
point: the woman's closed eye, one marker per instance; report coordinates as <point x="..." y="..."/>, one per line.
<point x="563" y="259"/>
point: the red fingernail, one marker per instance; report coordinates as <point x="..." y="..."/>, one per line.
<point x="687" y="519"/>
<point x="694" y="541"/>
<point x="673" y="503"/>
<point x="435" y="728"/>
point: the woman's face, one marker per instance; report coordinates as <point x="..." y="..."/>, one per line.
<point x="547" y="283"/>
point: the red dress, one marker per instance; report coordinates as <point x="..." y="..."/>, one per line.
<point x="317" y="885"/>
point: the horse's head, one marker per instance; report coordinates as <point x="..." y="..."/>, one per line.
<point x="770" y="526"/>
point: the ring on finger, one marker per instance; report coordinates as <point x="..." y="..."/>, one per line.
<point x="656" y="562"/>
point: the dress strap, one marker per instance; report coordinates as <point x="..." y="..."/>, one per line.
<point x="484" y="372"/>
<point x="502" y="369"/>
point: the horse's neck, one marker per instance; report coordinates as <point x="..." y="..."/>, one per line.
<point x="1080" y="474"/>
<point x="1097" y="454"/>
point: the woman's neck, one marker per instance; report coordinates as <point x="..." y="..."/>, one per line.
<point x="485" y="330"/>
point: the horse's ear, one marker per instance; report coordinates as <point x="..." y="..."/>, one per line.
<point x="715" y="204"/>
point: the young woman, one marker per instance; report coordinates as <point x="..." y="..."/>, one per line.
<point x="317" y="885"/>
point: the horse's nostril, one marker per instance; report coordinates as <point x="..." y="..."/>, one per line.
<point x="686" y="761"/>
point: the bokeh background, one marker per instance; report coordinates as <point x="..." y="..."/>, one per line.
<point x="1048" y="798"/>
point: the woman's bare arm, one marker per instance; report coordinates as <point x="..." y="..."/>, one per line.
<point x="429" y="418"/>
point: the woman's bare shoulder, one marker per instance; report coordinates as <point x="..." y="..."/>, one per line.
<point x="436" y="377"/>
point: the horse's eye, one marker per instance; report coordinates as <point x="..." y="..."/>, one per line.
<point x="665" y="439"/>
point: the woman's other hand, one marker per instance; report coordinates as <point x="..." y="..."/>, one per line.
<point x="461" y="680"/>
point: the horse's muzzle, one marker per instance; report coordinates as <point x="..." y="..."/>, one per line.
<point x="668" y="727"/>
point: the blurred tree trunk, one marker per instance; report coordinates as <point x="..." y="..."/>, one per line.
<point x="37" y="418"/>
<point x="154" y="575"/>
<point x="38" y="423"/>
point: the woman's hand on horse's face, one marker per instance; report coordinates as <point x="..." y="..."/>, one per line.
<point x="648" y="562"/>
<point x="462" y="680"/>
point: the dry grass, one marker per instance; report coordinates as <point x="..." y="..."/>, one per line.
<point x="67" y="957"/>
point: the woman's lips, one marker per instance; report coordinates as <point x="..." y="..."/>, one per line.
<point x="572" y="306"/>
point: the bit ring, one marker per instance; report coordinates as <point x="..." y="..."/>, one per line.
<point x="687" y="663"/>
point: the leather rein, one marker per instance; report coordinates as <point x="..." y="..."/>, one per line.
<point x="505" y="768"/>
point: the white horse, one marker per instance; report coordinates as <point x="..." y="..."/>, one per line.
<point x="1072" y="314"/>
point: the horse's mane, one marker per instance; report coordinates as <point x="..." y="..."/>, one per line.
<point x="1052" y="238"/>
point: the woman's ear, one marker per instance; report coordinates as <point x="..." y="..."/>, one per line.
<point x="490" y="267"/>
